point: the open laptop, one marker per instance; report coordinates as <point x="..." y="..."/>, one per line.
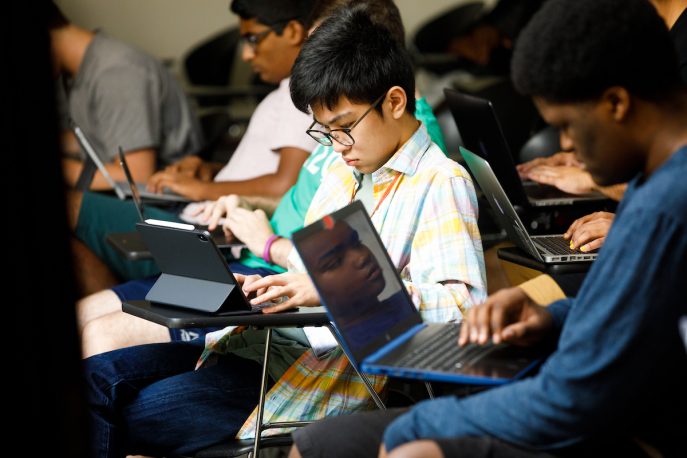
<point x="195" y="274"/>
<point x="481" y="133"/>
<point x="120" y="188"/>
<point x="546" y="248"/>
<point x="378" y="325"/>
<point x="132" y="241"/>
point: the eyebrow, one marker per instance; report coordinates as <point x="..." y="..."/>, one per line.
<point x="334" y="119"/>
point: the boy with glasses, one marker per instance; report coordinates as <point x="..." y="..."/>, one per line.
<point x="423" y="205"/>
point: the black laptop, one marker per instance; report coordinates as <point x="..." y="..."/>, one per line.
<point x="548" y="249"/>
<point x="481" y="133"/>
<point x="378" y="325"/>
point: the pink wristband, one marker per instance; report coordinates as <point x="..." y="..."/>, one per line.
<point x="266" y="251"/>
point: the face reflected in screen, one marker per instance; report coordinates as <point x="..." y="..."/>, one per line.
<point x="342" y="266"/>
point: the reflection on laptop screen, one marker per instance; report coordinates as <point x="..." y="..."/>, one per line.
<point x="355" y="279"/>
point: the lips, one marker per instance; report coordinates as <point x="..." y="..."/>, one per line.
<point x="350" y="162"/>
<point x="375" y="273"/>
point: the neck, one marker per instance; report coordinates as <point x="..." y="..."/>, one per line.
<point x="670" y="10"/>
<point x="69" y="45"/>
<point x="407" y="126"/>
<point x="667" y="132"/>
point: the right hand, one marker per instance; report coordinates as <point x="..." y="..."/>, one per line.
<point x="559" y="159"/>
<point x="589" y="232"/>
<point x="508" y="315"/>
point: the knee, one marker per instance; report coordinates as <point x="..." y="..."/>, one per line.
<point x="99" y="336"/>
<point x="294" y="452"/>
<point x="417" y="449"/>
<point x="96" y="305"/>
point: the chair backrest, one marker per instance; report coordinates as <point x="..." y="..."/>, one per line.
<point x="542" y="144"/>
<point x="209" y="63"/>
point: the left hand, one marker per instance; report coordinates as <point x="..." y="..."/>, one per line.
<point x="179" y="183"/>
<point x="570" y="179"/>
<point x="296" y="286"/>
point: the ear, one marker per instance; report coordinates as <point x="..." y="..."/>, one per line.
<point x="294" y="33"/>
<point x="618" y="102"/>
<point x="396" y="100"/>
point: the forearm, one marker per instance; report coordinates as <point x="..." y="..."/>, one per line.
<point x="279" y="251"/>
<point x="272" y="186"/>
<point x="266" y="204"/>
<point x="614" y="192"/>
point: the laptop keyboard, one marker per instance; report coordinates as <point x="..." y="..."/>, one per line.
<point x="556" y="244"/>
<point x="442" y="353"/>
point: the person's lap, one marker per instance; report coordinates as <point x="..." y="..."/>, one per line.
<point x="102" y="214"/>
<point x="137" y="290"/>
<point x="149" y="400"/>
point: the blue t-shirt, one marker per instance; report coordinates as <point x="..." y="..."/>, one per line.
<point x="620" y="367"/>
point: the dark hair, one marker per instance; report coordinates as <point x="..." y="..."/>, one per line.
<point x="349" y="56"/>
<point x="55" y="18"/>
<point x="273" y="13"/>
<point x="382" y="12"/>
<point x="573" y="50"/>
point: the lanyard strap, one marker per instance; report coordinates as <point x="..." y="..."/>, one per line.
<point x="386" y="192"/>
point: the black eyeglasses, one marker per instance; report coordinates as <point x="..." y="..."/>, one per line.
<point x="342" y="136"/>
<point x="252" y="40"/>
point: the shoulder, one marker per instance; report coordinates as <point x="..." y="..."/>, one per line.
<point x="114" y="59"/>
<point x="435" y="166"/>
<point x="665" y="193"/>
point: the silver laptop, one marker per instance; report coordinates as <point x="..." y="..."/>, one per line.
<point x="545" y="248"/>
<point x="121" y="188"/>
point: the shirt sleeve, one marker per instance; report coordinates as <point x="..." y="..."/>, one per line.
<point x="289" y="131"/>
<point x="127" y="105"/>
<point x="446" y="268"/>
<point x="604" y="370"/>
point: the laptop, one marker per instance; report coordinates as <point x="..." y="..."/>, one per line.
<point x="195" y="274"/>
<point x="481" y="133"/>
<point x="131" y="244"/>
<point x="121" y="189"/>
<point x="378" y="326"/>
<point x="545" y="248"/>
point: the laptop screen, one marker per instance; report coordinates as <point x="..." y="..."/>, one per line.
<point x="357" y="282"/>
<point x="134" y="189"/>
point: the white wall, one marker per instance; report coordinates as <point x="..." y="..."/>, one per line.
<point x="167" y="28"/>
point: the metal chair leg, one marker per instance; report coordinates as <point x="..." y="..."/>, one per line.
<point x="368" y="385"/>
<point x="263" y="391"/>
<point x="430" y="391"/>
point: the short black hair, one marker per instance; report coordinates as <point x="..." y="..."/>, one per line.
<point x="573" y="50"/>
<point x="273" y="13"/>
<point x="350" y="56"/>
<point x="55" y="18"/>
<point x="382" y="12"/>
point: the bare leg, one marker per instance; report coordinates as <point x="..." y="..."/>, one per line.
<point x="91" y="273"/>
<point x="74" y="199"/>
<point x="119" y="330"/>
<point x="294" y="453"/>
<point x="96" y="305"/>
<point x="417" y="449"/>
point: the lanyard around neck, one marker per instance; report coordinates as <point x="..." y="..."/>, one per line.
<point x="386" y="192"/>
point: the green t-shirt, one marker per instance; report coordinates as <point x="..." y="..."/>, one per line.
<point x="290" y="213"/>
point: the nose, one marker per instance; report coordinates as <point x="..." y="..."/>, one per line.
<point x="565" y="141"/>
<point x="247" y="52"/>
<point x="339" y="148"/>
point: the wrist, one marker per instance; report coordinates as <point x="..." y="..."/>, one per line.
<point x="266" y="254"/>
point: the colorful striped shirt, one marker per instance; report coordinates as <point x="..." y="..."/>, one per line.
<point x="428" y="224"/>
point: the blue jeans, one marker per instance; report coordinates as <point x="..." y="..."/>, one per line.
<point x="149" y="400"/>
